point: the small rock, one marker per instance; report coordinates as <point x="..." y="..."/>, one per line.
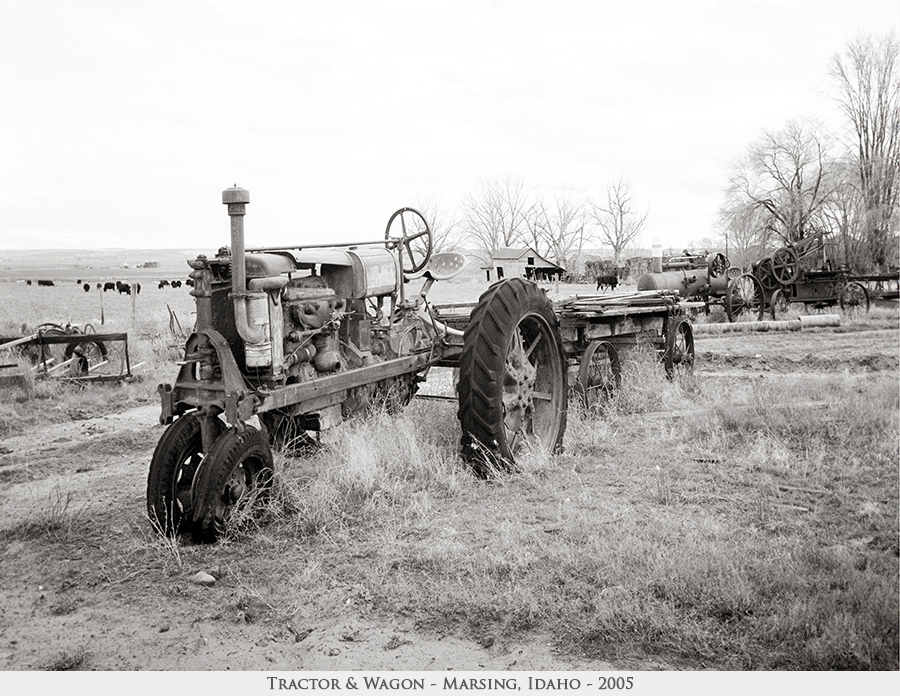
<point x="163" y="629"/>
<point x="201" y="578"/>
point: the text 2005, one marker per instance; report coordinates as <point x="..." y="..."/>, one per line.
<point x="615" y="683"/>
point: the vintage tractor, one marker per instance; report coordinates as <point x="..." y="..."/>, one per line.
<point x="293" y="340"/>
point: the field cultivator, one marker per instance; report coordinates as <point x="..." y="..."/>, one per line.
<point x="292" y="340"/>
<point x="66" y="353"/>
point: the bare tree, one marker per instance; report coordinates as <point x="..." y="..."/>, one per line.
<point x="619" y="224"/>
<point x="445" y="228"/>
<point x="781" y="186"/>
<point x="870" y="98"/>
<point x="567" y="231"/>
<point x="746" y="230"/>
<point x="496" y="216"/>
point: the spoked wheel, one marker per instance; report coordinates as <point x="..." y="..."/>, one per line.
<point x="744" y="299"/>
<point x="785" y="265"/>
<point x="512" y="377"/>
<point x="236" y="474"/>
<point x="716" y="265"/>
<point x="763" y="272"/>
<point x="175" y="461"/>
<point x="854" y="299"/>
<point x="780" y="304"/>
<point x="409" y="228"/>
<point x="48" y="354"/>
<point x="599" y="374"/>
<point x="88" y="355"/>
<point x="679" y="355"/>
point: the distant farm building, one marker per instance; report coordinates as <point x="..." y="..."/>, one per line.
<point x="511" y="262"/>
<point x="149" y="264"/>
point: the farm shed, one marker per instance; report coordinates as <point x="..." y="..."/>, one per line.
<point x="511" y="262"/>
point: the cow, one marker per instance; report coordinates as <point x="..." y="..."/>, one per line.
<point x="78" y="282"/>
<point x="46" y="283"/>
<point x="124" y="289"/>
<point x="607" y="281"/>
<point x="176" y="283"/>
<point x="99" y="286"/>
<point x="87" y="287"/>
<point x="189" y="282"/>
<point x="163" y="284"/>
<point x="27" y="282"/>
<point x="109" y="286"/>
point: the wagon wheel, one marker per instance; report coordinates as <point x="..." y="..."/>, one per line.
<point x="762" y="271"/>
<point x="599" y="374"/>
<point x="785" y="265"/>
<point x="780" y="304"/>
<point x="716" y="265"/>
<point x="744" y="299"/>
<point x="512" y="377"/>
<point x="88" y="355"/>
<point x="414" y="239"/>
<point x="235" y="476"/>
<point x="175" y="461"/>
<point x="854" y="299"/>
<point x="679" y="355"/>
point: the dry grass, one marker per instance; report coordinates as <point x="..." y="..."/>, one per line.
<point x="736" y="538"/>
<point x="701" y="523"/>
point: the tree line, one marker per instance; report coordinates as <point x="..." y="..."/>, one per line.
<point x="796" y="182"/>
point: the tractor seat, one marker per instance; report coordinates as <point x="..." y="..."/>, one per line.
<point x="443" y="266"/>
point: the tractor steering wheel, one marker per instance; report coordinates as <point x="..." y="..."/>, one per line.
<point x="414" y="239"/>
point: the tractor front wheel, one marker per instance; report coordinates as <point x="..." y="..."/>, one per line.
<point x="512" y="378"/>
<point x="236" y="474"/>
<point x="175" y="461"/>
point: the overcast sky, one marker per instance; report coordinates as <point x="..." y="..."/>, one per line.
<point x="122" y="121"/>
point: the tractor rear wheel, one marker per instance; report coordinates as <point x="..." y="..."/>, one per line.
<point x="172" y="468"/>
<point x="512" y="377"/>
<point x="236" y="474"/>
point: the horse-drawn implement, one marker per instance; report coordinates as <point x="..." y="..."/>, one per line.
<point x="67" y="352"/>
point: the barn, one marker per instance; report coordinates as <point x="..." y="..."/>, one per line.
<point x="509" y="262"/>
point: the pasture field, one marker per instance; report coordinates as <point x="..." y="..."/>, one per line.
<point x="744" y="518"/>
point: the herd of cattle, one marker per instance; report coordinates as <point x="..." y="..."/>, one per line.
<point x="118" y="286"/>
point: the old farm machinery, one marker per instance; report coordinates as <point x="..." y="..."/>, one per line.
<point x="801" y="273"/>
<point x="69" y="352"/>
<point x="708" y="278"/>
<point x="295" y="340"/>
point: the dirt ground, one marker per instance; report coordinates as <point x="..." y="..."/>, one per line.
<point x="101" y="592"/>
